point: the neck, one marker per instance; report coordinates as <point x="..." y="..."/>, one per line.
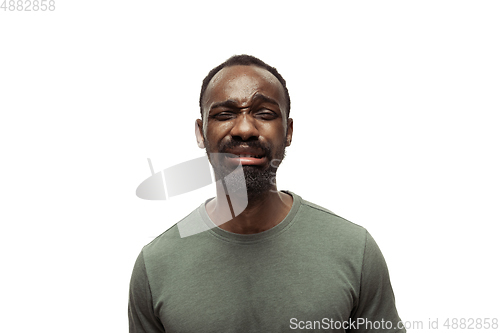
<point x="263" y="211"/>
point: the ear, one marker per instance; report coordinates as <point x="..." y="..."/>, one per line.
<point x="198" y="128"/>
<point x="290" y="132"/>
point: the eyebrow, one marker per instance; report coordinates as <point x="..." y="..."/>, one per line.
<point x="231" y="103"/>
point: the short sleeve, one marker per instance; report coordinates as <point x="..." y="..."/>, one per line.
<point x="141" y="315"/>
<point x="376" y="308"/>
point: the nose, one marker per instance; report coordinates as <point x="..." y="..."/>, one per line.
<point x="245" y="128"/>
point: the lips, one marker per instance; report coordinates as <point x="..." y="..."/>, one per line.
<point x="247" y="156"/>
<point x="247" y="152"/>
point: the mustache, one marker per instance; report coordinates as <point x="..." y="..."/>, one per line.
<point x="251" y="144"/>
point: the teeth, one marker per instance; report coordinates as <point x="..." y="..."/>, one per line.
<point x="249" y="156"/>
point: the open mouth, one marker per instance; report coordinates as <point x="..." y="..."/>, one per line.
<point x="253" y="156"/>
<point x="246" y="159"/>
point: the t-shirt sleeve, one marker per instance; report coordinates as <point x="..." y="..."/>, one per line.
<point x="141" y="316"/>
<point x="376" y="308"/>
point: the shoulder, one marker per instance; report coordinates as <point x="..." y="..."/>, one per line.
<point x="327" y="221"/>
<point x="171" y="244"/>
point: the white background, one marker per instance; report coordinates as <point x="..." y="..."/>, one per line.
<point x="395" y="107"/>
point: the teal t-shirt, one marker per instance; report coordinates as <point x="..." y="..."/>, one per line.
<point x="313" y="272"/>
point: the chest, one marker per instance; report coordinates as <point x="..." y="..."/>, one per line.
<point x="248" y="291"/>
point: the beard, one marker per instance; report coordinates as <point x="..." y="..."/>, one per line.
<point x="256" y="180"/>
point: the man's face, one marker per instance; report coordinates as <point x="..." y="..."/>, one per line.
<point x="244" y="111"/>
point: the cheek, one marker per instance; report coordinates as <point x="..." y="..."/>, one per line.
<point x="205" y="125"/>
<point x="284" y="123"/>
<point x="274" y="130"/>
<point x="215" y="133"/>
<point x="219" y="129"/>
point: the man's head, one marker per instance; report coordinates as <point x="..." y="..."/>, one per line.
<point x="245" y="60"/>
<point x="245" y="111"/>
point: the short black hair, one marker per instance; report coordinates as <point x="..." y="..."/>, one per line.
<point x="245" y="60"/>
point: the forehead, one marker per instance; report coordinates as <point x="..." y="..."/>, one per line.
<point x="240" y="83"/>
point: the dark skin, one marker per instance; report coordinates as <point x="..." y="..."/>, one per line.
<point x="246" y="103"/>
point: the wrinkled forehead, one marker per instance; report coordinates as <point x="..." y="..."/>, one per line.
<point x="240" y="83"/>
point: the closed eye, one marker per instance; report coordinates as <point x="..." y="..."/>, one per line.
<point x="266" y="115"/>
<point x="223" y="115"/>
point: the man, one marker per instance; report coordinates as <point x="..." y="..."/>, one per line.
<point x="277" y="264"/>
